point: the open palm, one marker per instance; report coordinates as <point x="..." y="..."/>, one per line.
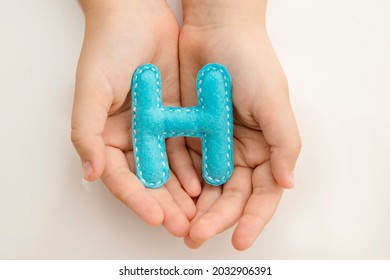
<point x="266" y="139"/>
<point x="101" y="117"/>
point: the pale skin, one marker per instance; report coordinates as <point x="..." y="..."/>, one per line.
<point x="266" y="137"/>
<point x="121" y="35"/>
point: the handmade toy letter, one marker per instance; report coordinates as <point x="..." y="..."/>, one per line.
<point x="211" y="120"/>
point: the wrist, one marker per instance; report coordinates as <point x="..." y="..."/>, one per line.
<point x="224" y="13"/>
<point x="96" y="8"/>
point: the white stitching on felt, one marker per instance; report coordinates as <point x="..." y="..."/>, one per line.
<point x="158" y="90"/>
<point x="135" y="124"/>
<point x="228" y="154"/>
<point x="135" y="131"/>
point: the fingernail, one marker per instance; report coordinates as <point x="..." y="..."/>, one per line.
<point x="291" y="178"/>
<point x="87" y="169"/>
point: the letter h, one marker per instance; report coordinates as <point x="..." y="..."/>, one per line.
<point x="211" y="120"/>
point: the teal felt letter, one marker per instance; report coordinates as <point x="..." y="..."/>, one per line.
<point x="211" y="120"/>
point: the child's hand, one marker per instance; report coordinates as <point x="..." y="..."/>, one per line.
<point x="120" y="36"/>
<point x="266" y="137"/>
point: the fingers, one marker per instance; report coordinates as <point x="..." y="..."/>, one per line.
<point x="277" y="121"/>
<point x="191" y="243"/>
<point x="125" y="186"/>
<point x="197" y="161"/>
<point x="259" y="209"/>
<point x="207" y="198"/>
<point x="90" y="110"/>
<point x="226" y="211"/>
<point x="175" y="220"/>
<point x="181" y="197"/>
<point x="182" y="165"/>
<point x="177" y="207"/>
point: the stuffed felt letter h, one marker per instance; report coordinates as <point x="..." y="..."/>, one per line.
<point x="211" y="120"/>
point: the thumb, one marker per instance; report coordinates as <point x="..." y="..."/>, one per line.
<point x="277" y="121"/>
<point x="92" y="102"/>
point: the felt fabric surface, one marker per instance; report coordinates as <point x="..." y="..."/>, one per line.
<point x="211" y="120"/>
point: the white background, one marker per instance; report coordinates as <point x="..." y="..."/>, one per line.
<point x="336" y="54"/>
